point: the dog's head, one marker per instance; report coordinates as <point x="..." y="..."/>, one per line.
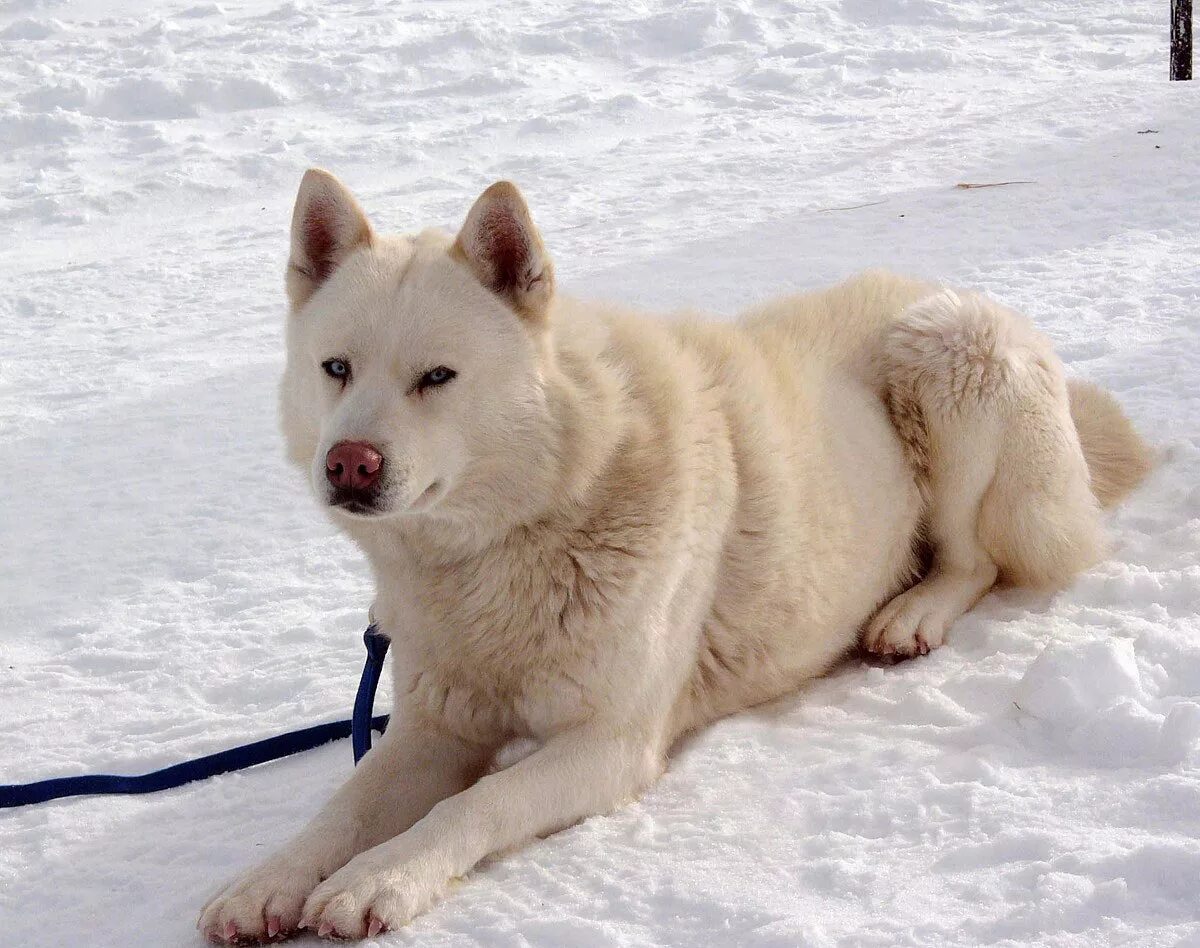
<point x="415" y="365"/>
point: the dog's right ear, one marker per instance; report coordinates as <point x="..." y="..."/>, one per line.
<point x="327" y="224"/>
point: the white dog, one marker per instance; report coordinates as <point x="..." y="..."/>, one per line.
<point x="598" y="531"/>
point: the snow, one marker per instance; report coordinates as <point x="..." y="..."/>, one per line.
<point x="169" y="589"/>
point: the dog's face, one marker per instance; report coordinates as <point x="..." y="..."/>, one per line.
<point x="414" y="364"/>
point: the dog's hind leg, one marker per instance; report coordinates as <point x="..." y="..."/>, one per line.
<point x="980" y="399"/>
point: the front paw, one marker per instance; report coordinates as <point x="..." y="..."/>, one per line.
<point x="372" y="894"/>
<point x="263" y="904"/>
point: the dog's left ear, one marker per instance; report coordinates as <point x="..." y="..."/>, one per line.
<point x="503" y="248"/>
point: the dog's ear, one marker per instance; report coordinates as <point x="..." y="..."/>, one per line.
<point x="327" y="224"/>
<point x="504" y="250"/>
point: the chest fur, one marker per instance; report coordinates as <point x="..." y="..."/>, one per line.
<point x="518" y="640"/>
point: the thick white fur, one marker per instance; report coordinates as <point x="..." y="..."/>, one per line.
<point x="609" y="530"/>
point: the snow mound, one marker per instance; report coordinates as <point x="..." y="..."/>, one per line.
<point x="1069" y="684"/>
<point x="1091" y="698"/>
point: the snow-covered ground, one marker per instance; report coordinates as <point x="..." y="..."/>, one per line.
<point x="168" y="588"/>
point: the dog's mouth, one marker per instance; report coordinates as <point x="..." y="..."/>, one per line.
<point x="368" y="504"/>
<point x="356" y="502"/>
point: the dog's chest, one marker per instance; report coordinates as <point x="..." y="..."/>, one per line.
<point x="511" y="642"/>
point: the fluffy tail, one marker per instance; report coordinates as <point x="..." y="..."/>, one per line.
<point x="1116" y="455"/>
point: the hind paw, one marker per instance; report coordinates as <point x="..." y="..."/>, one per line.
<point x="916" y="622"/>
<point x="911" y="624"/>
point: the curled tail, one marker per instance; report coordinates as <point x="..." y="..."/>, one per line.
<point x="1117" y="457"/>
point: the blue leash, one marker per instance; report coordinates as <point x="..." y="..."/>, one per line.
<point x="358" y="728"/>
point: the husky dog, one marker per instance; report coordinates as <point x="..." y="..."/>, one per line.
<point x="596" y="531"/>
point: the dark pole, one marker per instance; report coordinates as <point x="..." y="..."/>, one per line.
<point x="1181" y="39"/>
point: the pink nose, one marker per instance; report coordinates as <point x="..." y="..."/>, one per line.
<point x="353" y="464"/>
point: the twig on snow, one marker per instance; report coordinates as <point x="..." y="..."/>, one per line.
<point x="851" y="207"/>
<point x="993" y="184"/>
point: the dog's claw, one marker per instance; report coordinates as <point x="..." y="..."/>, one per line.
<point x="272" y="926"/>
<point x="325" y="929"/>
<point x="375" y="927"/>
<point x="230" y="932"/>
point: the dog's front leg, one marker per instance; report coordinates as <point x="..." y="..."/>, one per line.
<point x="576" y="774"/>
<point x="413" y="767"/>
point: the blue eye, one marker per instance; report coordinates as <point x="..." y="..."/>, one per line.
<point x="336" y="369"/>
<point x="434" y="377"/>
